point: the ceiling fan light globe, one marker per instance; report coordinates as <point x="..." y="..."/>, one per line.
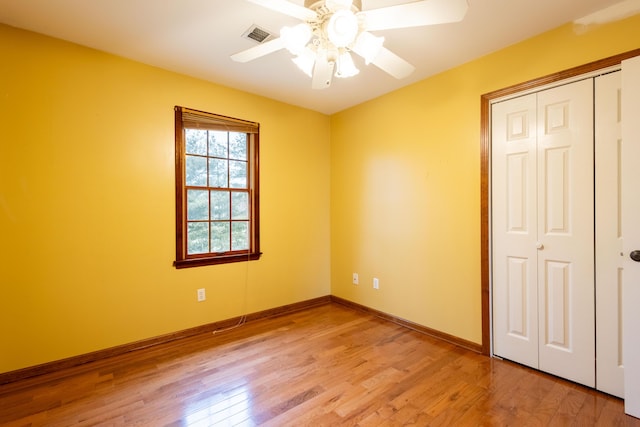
<point x="342" y="28"/>
<point x="346" y="67"/>
<point x="368" y="46"/>
<point x="296" y="38"/>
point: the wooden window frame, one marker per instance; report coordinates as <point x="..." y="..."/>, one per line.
<point x="186" y="118"/>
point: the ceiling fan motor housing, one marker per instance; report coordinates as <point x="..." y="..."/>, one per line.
<point x="356" y="6"/>
<point x="335" y="28"/>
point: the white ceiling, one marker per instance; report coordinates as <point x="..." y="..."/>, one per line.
<point x="196" y="38"/>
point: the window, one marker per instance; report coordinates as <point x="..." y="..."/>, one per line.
<point x="217" y="207"/>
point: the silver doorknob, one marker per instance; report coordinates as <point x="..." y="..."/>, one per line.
<point x="635" y="255"/>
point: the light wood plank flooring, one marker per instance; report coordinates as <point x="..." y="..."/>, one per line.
<point x="324" y="366"/>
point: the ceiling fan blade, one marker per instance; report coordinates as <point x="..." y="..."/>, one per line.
<point x="259" y="50"/>
<point x="392" y="64"/>
<point x="322" y="72"/>
<point x="288" y="8"/>
<point x="416" y="14"/>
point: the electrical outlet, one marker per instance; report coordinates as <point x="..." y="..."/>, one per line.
<point x="202" y="295"/>
<point x="376" y="283"/>
<point x="355" y="279"/>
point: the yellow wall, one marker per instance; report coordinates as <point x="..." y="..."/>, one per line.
<point x="87" y="195"/>
<point x="87" y="203"/>
<point x="405" y="181"/>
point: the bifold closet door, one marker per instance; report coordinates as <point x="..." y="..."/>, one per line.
<point x="609" y="233"/>
<point x="514" y="229"/>
<point x="542" y="229"/>
<point x="631" y="224"/>
<point x="566" y="232"/>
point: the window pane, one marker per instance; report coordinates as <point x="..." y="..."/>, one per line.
<point x="237" y="146"/>
<point x="219" y="205"/>
<point x="220" y="237"/>
<point x="237" y="174"/>
<point x="218" y="173"/>
<point x="240" y="235"/>
<point x="196" y="171"/>
<point x="197" y="237"/>
<point x="196" y="141"/>
<point x="197" y="205"/>
<point x="239" y="205"/>
<point x="218" y="144"/>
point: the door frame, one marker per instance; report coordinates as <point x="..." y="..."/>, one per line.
<point x="485" y="155"/>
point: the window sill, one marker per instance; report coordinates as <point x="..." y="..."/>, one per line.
<point x="214" y="260"/>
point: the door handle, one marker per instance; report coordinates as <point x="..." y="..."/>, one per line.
<point x="635" y="255"/>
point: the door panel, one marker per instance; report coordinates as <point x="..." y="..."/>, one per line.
<point x="515" y="316"/>
<point x="517" y="220"/>
<point x="517" y="306"/>
<point x="565" y="232"/>
<point x="609" y="259"/>
<point x="631" y="227"/>
<point x="557" y="316"/>
<point x="556" y="201"/>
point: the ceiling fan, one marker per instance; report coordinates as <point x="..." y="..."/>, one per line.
<point x="332" y="29"/>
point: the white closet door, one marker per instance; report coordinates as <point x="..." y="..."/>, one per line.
<point x="631" y="225"/>
<point x="542" y="228"/>
<point x="609" y="259"/>
<point x="515" y="294"/>
<point x="566" y="306"/>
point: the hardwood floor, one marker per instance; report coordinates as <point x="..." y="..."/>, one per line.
<point x="329" y="365"/>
